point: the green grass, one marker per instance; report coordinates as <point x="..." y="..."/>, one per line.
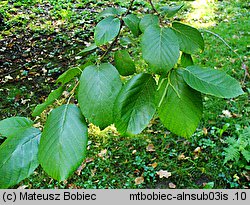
<point x="114" y="161"/>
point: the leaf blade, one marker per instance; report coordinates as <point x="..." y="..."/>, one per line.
<point x="160" y="48"/>
<point x="181" y="108"/>
<point x="212" y="82"/>
<point x="112" y="12"/>
<point x="99" y="87"/>
<point x="124" y="63"/>
<point x="106" y="30"/>
<point x="132" y="22"/>
<point x="10" y="126"/>
<point x="170" y="11"/>
<point x="186" y="60"/>
<point x="148" y="20"/>
<point x="87" y="50"/>
<point x="20" y="156"/>
<point x="135" y="104"/>
<point x="190" y="38"/>
<point x="51" y="98"/>
<point x="68" y="75"/>
<point x="63" y="143"/>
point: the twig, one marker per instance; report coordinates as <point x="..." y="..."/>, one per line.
<point x="72" y="92"/>
<point x="112" y="44"/>
<point x="129" y="8"/>
<point x="116" y="38"/>
<point x="153" y="7"/>
<point x="10" y="72"/>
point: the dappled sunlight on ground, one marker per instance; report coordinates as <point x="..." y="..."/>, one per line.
<point x="202" y="14"/>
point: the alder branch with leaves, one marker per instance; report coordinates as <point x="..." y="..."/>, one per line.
<point x="103" y="99"/>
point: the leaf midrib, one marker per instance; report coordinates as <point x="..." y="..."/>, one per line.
<point x="206" y="82"/>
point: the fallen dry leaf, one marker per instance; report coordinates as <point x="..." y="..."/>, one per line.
<point x="134" y="151"/>
<point x="137" y="171"/>
<point x="236" y="115"/>
<point x="163" y="173"/>
<point x="150" y="148"/>
<point x="171" y="185"/>
<point x="227" y="113"/>
<point x="72" y="186"/>
<point x="181" y="157"/>
<point x="205" y="131"/>
<point x="154" y="164"/>
<point x="93" y="171"/>
<point x="89" y="159"/>
<point x="197" y="150"/>
<point x="79" y="169"/>
<point x="23" y="187"/>
<point x="139" y="180"/>
<point x="102" y="153"/>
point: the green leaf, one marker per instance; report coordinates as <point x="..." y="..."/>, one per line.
<point x="209" y="185"/>
<point x="125" y="41"/>
<point x="170" y="11"/>
<point x="232" y="141"/>
<point x="18" y="156"/>
<point x="213" y="82"/>
<point x="112" y="12"/>
<point x="190" y="39"/>
<point x="246" y="134"/>
<point x="135" y="104"/>
<point x="160" y="48"/>
<point x="10" y="126"/>
<point x="123" y="62"/>
<point x="245" y="142"/>
<point x="132" y="22"/>
<point x="51" y="98"/>
<point x="99" y="87"/>
<point x="231" y="153"/>
<point x="180" y="107"/>
<point x="63" y="143"/>
<point x="106" y="30"/>
<point x="186" y="60"/>
<point x="148" y="20"/>
<point x="87" y="50"/>
<point x="68" y="75"/>
<point x="246" y="154"/>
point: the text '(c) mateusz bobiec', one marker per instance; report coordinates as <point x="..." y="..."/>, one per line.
<point x="77" y="196"/>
